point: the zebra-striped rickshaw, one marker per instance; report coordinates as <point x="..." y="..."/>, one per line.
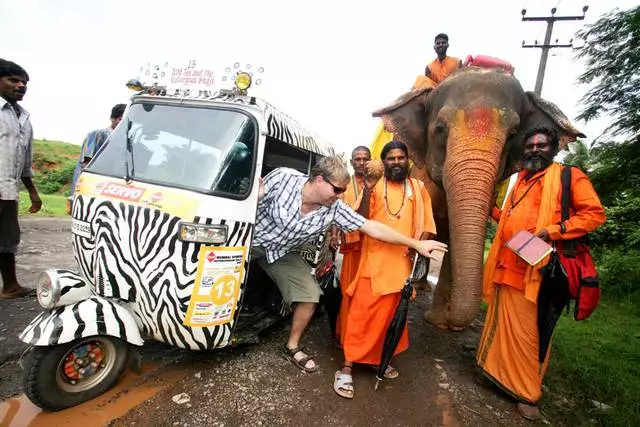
<point x="162" y="223"/>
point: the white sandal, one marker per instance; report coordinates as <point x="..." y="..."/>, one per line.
<point x="343" y="385"/>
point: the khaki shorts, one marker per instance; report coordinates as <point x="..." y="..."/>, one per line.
<point x="292" y="275"/>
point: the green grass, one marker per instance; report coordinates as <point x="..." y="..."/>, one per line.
<point x="596" y="359"/>
<point x="52" y="205"/>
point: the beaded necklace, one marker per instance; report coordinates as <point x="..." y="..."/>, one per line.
<point x="386" y="201"/>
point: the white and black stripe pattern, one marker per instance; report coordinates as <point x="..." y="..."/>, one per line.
<point x="134" y="255"/>
<point x="70" y="322"/>
<point x="284" y="128"/>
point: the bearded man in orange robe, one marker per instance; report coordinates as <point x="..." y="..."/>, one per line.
<point x="373" y="295"/>
<point x="510" y="353"/>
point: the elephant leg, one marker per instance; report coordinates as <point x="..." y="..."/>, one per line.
<point x="438" y="313"/>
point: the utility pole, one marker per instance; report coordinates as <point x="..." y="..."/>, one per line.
<point x="546" y="46"/>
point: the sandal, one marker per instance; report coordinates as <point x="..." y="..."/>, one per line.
<point x="390" y="373"/>
<point x="529" y="412"/>
<point x="343" y="385"/>
<point x="301" y="363"/>
<point x="21" y="292"/>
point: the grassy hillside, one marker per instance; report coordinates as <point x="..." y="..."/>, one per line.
<point x="53" y="165"/>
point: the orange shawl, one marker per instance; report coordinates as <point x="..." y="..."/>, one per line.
<point x="548" y="205"/>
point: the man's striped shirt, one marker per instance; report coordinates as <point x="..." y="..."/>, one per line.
<point x="280" y="228"/>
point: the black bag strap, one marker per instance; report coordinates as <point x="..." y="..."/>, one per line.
<point x="568" y="246"/>
<point x="565" y="199"/>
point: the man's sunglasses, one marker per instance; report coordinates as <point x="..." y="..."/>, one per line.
<point x="336" y="189"/>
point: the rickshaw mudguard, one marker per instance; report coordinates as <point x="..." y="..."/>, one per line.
<point x="91" y="317"/>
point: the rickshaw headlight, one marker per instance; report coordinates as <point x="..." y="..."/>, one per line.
<point x="48" y="289"/>
<point x="243" y="80"/>
<point x="203" y="233"/>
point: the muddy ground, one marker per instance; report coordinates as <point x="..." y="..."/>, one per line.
<point x="255" y="385"/>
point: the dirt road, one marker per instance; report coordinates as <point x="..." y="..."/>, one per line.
<point x="254" y="385"/>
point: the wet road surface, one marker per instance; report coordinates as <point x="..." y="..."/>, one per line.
<point x="253" y="385"/>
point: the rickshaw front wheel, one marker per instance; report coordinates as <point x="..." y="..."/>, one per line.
<point x="66" y="375"/>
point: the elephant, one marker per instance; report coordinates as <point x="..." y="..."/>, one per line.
<point x="464" y="136"/>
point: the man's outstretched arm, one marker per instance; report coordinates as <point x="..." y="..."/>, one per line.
<point x="383" y="232"/>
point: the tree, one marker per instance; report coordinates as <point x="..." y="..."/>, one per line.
<point x="611" y="47"/>
<point x="579" y="156"/>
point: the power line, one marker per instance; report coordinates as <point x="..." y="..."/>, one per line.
<point x="546" y="46"/>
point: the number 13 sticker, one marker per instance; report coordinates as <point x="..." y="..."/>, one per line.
<point x="224" y="289"/>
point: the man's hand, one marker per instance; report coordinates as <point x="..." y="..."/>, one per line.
<point x="425" y="247"/>
<point x="261" y="189"/>
<point x="543" y="234"/>
<point x="334" y="237"/>
<point x="36" y="203"/>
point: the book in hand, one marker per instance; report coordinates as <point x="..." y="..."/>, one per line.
<point x="529" y="247"/>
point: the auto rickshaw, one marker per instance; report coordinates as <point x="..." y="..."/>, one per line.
<point x="163" y="219"/>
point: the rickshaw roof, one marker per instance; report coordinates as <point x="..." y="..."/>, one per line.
<point x="279" y="125"/>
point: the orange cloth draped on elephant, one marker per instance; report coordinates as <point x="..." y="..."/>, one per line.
<point x="383" y="269"/>
<point x="350" y="249"/>
<point x="508" y="351"/>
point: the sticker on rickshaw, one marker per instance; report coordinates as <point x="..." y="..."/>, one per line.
<point x="169" y="200"/>
<point x="216" y="287"/>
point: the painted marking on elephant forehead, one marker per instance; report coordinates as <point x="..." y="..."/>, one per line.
<point x="479" y="128"/>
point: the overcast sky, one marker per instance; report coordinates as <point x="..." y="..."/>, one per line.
<point x="329" y="63"/>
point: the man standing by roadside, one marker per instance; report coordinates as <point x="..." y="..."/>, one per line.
<point x="403" y="204"/>
<point x="510" y="353"/>
<point x="91" y="145"/>
<point x="293" y="209"/>
<point x="16" y="141"/>
<point x="350" y="245"/>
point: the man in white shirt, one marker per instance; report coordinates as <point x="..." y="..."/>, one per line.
<point x="16" y="140"/>
<point x="295" y="208"/>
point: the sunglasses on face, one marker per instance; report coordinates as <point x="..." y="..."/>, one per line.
<point x="336" y="189"/>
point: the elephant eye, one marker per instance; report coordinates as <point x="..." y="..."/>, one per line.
<point x="440" y="128"/>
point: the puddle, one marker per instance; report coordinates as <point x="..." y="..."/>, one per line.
<point x="131" y="391"/>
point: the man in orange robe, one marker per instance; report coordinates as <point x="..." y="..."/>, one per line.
<point x="350" y="247"/>
<point x="403" y="204"/>
<point x="509" y="352"/>
<point x="441" y="67"/>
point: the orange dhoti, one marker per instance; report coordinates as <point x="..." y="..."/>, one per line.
<point x="366" y="324"/>
<point x="348" y="271"/>
<point x="508" y="350"/>
<point x="351" y="250"/>
<point x="371" y="299"/>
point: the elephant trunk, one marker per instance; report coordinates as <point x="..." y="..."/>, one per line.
<point x="469" y="180"/>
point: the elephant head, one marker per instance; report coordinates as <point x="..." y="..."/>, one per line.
<point x="464" y="136"/>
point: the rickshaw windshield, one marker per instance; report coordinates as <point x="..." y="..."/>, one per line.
<point x="203" y="149"/>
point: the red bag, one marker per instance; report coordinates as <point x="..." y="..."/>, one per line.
<point x="576" y="261"/>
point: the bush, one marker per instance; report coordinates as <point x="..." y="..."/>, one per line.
<point x="52" y="180"/>
<point x="620" y="273"/>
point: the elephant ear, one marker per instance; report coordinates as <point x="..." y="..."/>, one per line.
<point x="567" y="132"/>
<point x="406" y="118"/>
